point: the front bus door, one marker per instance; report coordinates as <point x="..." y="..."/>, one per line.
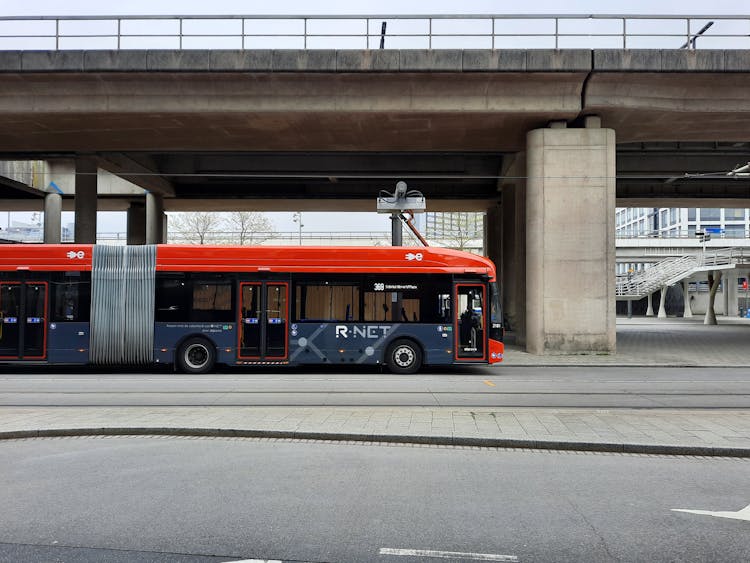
<point x="471" y="322"/>
<point x="23" y="320"/>
<point x="263" y="321"/>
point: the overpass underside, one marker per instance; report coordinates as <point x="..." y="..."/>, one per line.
<point x="546" y="141"/>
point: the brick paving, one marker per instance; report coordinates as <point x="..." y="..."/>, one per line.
<point x="683" y="428"/>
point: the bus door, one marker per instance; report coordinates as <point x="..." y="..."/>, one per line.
<point x="470" y="322"/>
<point x="264" y="320"/>
<point x="23" y="320"/>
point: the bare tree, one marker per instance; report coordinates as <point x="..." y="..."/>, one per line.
<point x="249" y="227"/>
<point x="195" y="227"/>
<point x="463" y="232"/>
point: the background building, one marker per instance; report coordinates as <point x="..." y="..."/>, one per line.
<point x="681" y="222"/>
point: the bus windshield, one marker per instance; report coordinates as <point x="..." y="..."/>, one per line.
<point x="496" y="313"/>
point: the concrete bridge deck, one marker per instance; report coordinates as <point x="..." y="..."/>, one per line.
<point x="468" y="100"/>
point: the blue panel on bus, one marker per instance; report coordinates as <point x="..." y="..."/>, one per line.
<point x="251" y="321"/>
<point x="365" y="343"/>
<point x="275" y="321"/>
<point x="68" y="343"/>
<point x="33" y="320"/>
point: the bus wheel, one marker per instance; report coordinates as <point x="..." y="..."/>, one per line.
<point x="404" y="356"/>
<point x="196" y="355"/>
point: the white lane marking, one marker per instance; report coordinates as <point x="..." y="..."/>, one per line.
<point x="256" y="561"/>
<point x="447" y="554"/>
<point x="743" y="514"/>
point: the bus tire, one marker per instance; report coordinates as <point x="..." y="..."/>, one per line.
<point x="196" y="355"/>
<point x="404" y="357"/>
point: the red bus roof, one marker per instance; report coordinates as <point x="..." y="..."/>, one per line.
<point x="323" y="259"/>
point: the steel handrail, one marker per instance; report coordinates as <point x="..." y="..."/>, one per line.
<point x="691" y="29"/>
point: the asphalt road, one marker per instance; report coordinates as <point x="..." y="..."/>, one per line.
<point x="190" y="500"/>
<point x="590" y="387"/>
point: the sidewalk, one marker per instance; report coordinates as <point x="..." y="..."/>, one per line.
<point x="683" y="431"/>
<point x="650" y="341"/>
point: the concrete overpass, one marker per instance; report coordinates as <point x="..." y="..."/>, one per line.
<point x="534" y="137"/>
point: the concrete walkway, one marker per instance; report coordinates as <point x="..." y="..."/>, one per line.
<point x="649" y="341"/>
<point x="683" y="431"/>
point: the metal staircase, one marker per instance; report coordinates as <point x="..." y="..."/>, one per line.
<point x="672" y="270"/>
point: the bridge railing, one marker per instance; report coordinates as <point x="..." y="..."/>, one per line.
<point x="469" y="31"/>
<point x="729" y="232"/>
<point x="722" y="257"/>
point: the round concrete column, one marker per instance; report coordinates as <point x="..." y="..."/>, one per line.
<point x="663" y="303"/>
<point x="688" y="313"/>
<point x="650" y="307"/>
<point x="52" y="218"/>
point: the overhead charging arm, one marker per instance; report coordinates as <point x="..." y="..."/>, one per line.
<point x="399" y="204"/>
<point x="408" y="222"/>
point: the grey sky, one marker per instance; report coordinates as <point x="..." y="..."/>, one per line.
<point x="186" y="7"/>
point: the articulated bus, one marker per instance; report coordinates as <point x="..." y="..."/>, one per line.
<point x="197" y="306"/>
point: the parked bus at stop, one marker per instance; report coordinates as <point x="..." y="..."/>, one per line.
<point x="197" y="306"/>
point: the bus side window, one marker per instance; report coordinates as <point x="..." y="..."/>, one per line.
<point x="444" y="307"/>
<point x="70" y="301"/>
<point x="171" y="300"/>
<point x="212" y="302"/>
<point x="327" y="302"/>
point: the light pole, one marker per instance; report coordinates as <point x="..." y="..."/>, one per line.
<point x="297" y="218"/>
<point x="630" y="301"/>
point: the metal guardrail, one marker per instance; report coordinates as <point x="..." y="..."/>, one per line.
<point x="466" y="31"/>
<point x="689" y="235"/>
<point x="722" y="257"/>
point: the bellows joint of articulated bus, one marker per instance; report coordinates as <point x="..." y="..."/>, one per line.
<point x="122" y="304"/>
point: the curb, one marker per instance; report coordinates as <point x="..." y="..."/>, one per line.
<point x="510" y="443"/>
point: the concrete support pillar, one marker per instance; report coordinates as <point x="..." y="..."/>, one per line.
<point x="493" y="237"/>
<point x="513" y="246"/>
<point x="570" y="240"/>
<point x="164" y="227"/>
<point x="136" y="229"/>
<point x="731" y="305"/>
<point x="663" y="302"/>
<point x="650" y="307"/>
<point x="154" y="218"/>
<point x="688" y="311"/>
<point x="60" y="176"/>
<point x="53" y="218"/>
<point x="714" y="278"/>
<point x="85" y="201"/>
<point x="59" y="179"/>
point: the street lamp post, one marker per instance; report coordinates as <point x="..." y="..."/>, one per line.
<point x="630" y="301"/>
<point x="297" y="218"/>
